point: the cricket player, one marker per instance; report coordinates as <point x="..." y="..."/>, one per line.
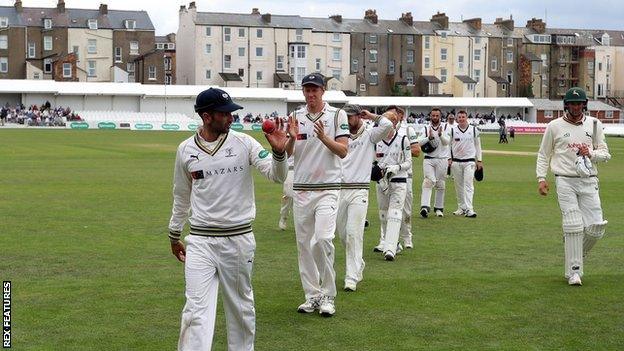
<point x="434" y="144"/>
<point x="287" y="196"/>
<point x="572" y="145"/>
<point x="213" y="179"/>
<point x="356" y="177"/>
<point x="465" y="158"/>
<point x="395" y="158"/>
<point x="321" y="141"/>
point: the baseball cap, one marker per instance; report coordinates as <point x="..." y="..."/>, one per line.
<point x="352" y="109"/>
<point x="215" y="99"/>
<point x="313" y="79"/>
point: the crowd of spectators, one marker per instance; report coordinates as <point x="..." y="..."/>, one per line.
<point x="34" y="115"/>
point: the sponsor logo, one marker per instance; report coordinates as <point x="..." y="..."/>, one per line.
<point x="302" y="137"/>
<point x="344" y="126"/>
<point x="574" y="92"/>
<point x="79" y="125"/>
<point x="566" y="135"/>
<point x="587" y="134"/>
<point x="223" y="171"/>
<point x="193" y="126"/>
<point x="263" y="154"/>
<point x="197" y="174"/>
<point x="107" y="125"/>
<point x="143" y="126"/>
<point x="237" y="126"/>
<point x="225" y="96"/>
<point x="195" y="157"/>
<point x="256" y="127"/>
<point x="170" y="126"/>
<point x="229" y="152"/>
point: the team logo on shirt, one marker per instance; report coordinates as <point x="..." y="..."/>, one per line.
<point x="197" y="174"/>
<point x="263" y="154"/>
<point x="195" y="157"/>
<point x="587" y="134"/>
<point x="344" y="126"/>
<point x="229" y="152"/>
<point x="566" y="135"/>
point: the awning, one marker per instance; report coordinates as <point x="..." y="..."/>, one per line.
<point x="466" y="79"/>
<point x="230" y="77"/>
<point x="500" y="80"/>
<point x="284" y="78"/>
<point x="532" y="57"/>
<point x="431" y="79"/>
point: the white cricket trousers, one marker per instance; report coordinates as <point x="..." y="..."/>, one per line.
<point x="434" y="176"/>
<point x="463" y="175"/>
<point x="288" y="195"/>
<point x="212" y="262"/>
<point x="579" y="201"/>
<point x="391" y="213"/>
<point x="406" y="223"/>
<point x="352" y="208"/>
<point x="315" y="223"/>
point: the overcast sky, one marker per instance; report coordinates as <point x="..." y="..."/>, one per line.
<point x="585" y="14"/>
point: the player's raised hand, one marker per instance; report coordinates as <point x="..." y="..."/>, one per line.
<point x="366" y="114"/>
<point x="293" y="127"/>
<point x="543" y="188"/>
<point x="278" y="138"/>
<point x="319" y="128"/>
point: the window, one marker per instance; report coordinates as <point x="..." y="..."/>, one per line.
<point x="599" y="66"/>
<point x="600" y="90"/>
<point x="4" y="22"/>
<point x="258" y="75"/>
<point x="208" y="74"/>
<point x="510" y="76"/>
<point x="47" y="65"/>
<point x="477" y="75"/>
<point x="372" y="55"/>
<point x="92" y="46"/>
<point x="92" y="23"/>
<point x="227" y="61"/>
<point x="544" y="58"/>
<point x="373" y="78"/>
<point x="301" y="72"/>
<point x="31" y="50"/>
<point x="168" y="79"/>
<point x="504" y="87"/>
<point x="443" y="35"/>
<point x="208" y="48"/>
<point x="443" y="54"/>
<point x="477" y="55"/>
<point x="280" y="63"/>
<point x="317" y="65"/>
<point x="410" y="56"/>
<point x="301" y="52"/>
<point x="208" y="32"/>
<point x="160" y="46"/>
<point x="509" y="41"/>
<point x="460" y="62"/>
<point x="372" y="39"/>
<point x="509" y="56"/>
<point x="299" y="35"/>
<point x="477" y="40"/>
<point x="241" y="72"/>
<point x="336" y="73"/>
<point x="336" y="37"/>
<point x="471" y="86"/>
<point x="535" y="67"/>
<point x="47" y="43"/>
<point x="427" y="62"/>
<point x="151" y="73"/>
<point x="75" y="49"/>
<point x="443" y="75"/>
<point x="606" y="39"/>
<point x="354" y="65"/>
<point x="134" y="48"/>
<point x="391" y="64"/>
<point x="36" y="75"/>
<point x="91" y="68"/>
<point x="170" y="46"/>
<point x="4" y="42"/>
<point x="548" y="114"/>
<point x="410" y="39"/>
<point x="227" y="34"/>
<point x="259" y="51"/>
<point x="241" y="52"/>
<point x="130" y="67"/>
<point x="409" y="78"/>
<point x="130" y="24"/>
<point x="590" y="66"/>
<point x="608" y="114"/>
<point x="241" y="32"/>
<point x="336" y="55"/>
<point x="167" y="63"/>
<point x="4" y="64"/>
<point x="47" y="23"/>
<point x="117" y="54"/>
<point x="67" y="71"/>
<point x="427" y="42"/>
<point x="258" y="33"/>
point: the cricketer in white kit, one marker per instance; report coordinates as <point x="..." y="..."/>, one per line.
<point x="434" y="141"/>
<point x="321" y="143"/>
<point x="466" y="157"/>
<point x="287" y="196"/>
<point x="356" y="177"/>
<point x="213" y="179"/>
<point x="572" y="145"/>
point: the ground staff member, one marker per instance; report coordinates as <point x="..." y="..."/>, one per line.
<point x="572" y="145"/>
<point x="213" y="179"/>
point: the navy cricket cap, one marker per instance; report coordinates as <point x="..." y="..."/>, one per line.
<point x="215" y="99"/>
<point x="314" y="79"/>
<point x="352" y="109"/>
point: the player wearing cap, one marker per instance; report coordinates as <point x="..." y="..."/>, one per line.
<point x="322" y="134"/>
<point x="434" y="144"/>
<point x="213" y="179"/>
<point x="356" y="177"/>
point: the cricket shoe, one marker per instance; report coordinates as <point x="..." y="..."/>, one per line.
<point x="327" y="307"/>
<point x="439" y="213"/>
<point x="424" y="212"/>
<point x="408" y="243"/>
<point x="282" y="224"/>
<point x="378" y="248"/>
<point x="459" y="212"/>
<point x="310" y="305"/>
<point x="575" y="279"/>
<point x="471" y="214"/>
<point x="399" y="248"/>
<point x="350" y="287"/>
<point x="389" y="256"/>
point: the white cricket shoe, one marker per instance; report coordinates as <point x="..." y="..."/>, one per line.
<point x="424" y="212"/>
<point x="439" y="213"/>
<point x="399" y="248"/>
<point x="310" y="305"/>
<point x="471" y="214"/>
<point x="282" y="223"/>
<point x="389" y="256"/>
<point x="350" y="287"/>
<point x="378" y="248"/>
<point x="327" y="307"/>
<point x="459" y="212"/>
<point x="408" y="243"/>
<point x="575" y="279"/>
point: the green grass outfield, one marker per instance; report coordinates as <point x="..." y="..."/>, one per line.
<point x="83" y="238"/>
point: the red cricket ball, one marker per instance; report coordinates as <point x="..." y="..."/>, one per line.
<point x="268" y="126"/>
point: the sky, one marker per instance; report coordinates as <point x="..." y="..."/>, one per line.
<point x="576" y="14"/>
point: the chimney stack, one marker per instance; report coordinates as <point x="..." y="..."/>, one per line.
<point x="537" y="25"/>
<point x="407" y="18"/>
<point x="60" y="6"/>
<point x="192" y="6"/>
<point x="441" y="19"/>
<point x="371" y="15"/>
<point x="266" y="18"/>
<point x="182" y="8"/>
<point x="18" y="6"/>
<point x="506" y="24"/>
<point x="336" y="18"/>
<point x="255" y="11"/>
<point x="474" y="23"/>
<point x="103" y="9"/>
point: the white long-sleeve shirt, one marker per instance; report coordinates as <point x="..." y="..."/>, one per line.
<point x="214" y="181"/>
<point x="356" y="167"/>
<point x="465" y="144"/>
<point x="395" y="151"/>
<point x="561" y="142"/>
<point x="442" y="151"/>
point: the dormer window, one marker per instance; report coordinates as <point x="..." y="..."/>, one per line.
<point x="4" y="22"/>
<point x="92" y="23"/>
<point x="606" y="40"/>
<point x="47" y="23"/>
<point x="130" y="24"/>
